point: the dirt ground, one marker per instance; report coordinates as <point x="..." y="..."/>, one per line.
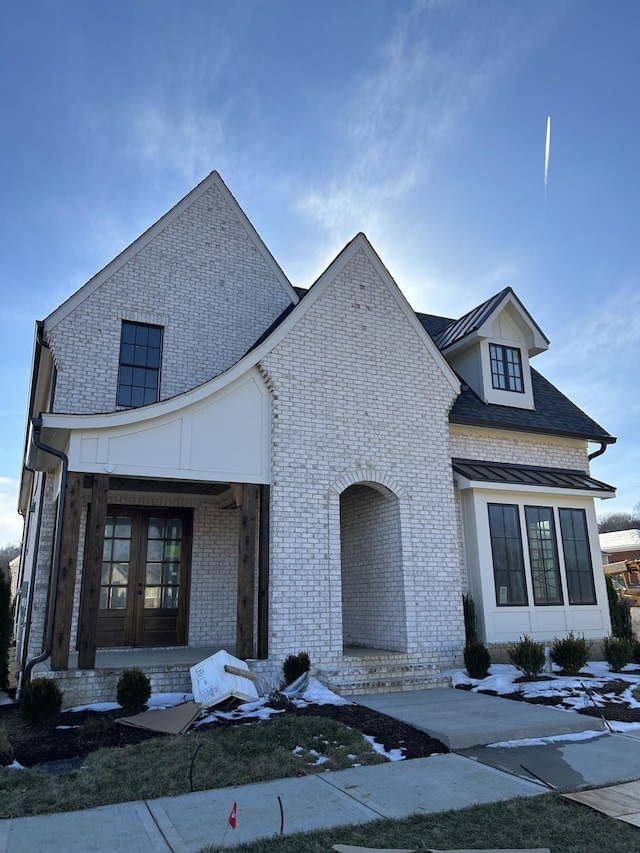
<point x="91" y="730"/>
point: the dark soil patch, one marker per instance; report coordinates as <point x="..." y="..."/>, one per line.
<point x="530" y="678"/>
<point x="620" y="712"/>
<point x="92" y="730"/>
<point x="391" y="733"/>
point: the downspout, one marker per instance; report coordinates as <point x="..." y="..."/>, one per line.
<point x="57" y="546"/>
<point x="603" y="447"/>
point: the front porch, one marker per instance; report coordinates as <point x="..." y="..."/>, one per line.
<point x="166" y="668"/>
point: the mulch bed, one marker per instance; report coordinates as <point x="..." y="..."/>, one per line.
<point x="92" y="730"/>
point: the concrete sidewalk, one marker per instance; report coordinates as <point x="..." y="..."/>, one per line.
<point x="479" y="774"/>
<point x="188" y="823"/>
<point x="461" y="719"/>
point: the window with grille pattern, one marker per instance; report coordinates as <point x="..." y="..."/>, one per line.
<point x="139" y="372"/>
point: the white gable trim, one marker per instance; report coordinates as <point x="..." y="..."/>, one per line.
<point x="213" y="179"/>
<point x="537" y="341"/>
<point x="224" y="436"/>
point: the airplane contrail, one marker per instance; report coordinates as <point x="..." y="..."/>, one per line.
<point x="547" y="151"/>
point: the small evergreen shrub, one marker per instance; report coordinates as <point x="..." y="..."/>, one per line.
<point x="294" y="666"/>
<point x="6" y="752"/>
<point x="6" y="630"/>
<point x="620" y="613"/>
<point x="571" y="653"/>
<point x="470" y="622"/>
<point x="41" y="701"/>
<point x="134" y="689"/>
<point x="636" y="651"/>
<point x="477" y="660"/>
<point x="527" y="656"/>
<point x="618" y="652"/>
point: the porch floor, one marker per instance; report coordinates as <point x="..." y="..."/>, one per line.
<point x="151" y="657"/>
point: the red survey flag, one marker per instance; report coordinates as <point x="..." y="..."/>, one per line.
<point x="232" y="816"/>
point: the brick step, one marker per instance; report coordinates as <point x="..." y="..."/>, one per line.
<point x="382" y="678"/>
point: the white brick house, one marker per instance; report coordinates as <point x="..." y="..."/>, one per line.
<point x="215" y="459"/>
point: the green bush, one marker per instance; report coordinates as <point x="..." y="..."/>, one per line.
<point x="294" y="666"/>
<point x="470" y="622"/>
<point x="477" y="660"/>
<point x="571" y="653"/>
<point x="620" y="613"/>
<point x="636" y="651"/>
<point x="618" y="652"/>
<point x="527" y="656"/>
<point x="6" y="630"/>
<point x="134" y="689"/>
<point x="41" y="701"/>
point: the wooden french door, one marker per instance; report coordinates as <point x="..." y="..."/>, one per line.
<point x="144" y="588"/>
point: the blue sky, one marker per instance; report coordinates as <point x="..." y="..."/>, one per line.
<point x="420" y="123"/>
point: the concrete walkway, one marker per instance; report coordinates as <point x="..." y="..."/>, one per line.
<point x="480" y="774"/>
<point x="461" y="719"/>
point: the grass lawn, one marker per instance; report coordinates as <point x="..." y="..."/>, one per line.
<point x="272" y="749"/>
<point x="544" y="821"/>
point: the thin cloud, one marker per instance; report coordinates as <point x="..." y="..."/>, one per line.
<point x="406" y="113"/>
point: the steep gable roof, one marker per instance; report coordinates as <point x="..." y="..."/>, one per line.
<point x="213" y="179"/>
<point x="474" y="320"/>
<point x="290" y="316"/>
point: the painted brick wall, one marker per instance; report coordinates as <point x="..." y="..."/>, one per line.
<point x="201" y="278"/>
<point x="373" y="605"/>
<point x="476" y="444"/>
<point x="357" y="397"/>
<point x="38" y="566"/>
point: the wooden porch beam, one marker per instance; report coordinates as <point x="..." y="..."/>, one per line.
<point x="67" y="571"/>
<point x="91" y="572"/>
<point x="263" y="575"/>
<point x="246" y="572"/>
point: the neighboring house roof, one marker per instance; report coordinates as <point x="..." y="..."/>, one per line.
<point x="527" y="475"/>
<point x="620" y="540"/>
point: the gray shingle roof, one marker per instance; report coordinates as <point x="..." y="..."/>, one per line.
<point x="554" y="414"/>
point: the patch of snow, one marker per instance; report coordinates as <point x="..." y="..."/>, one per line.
<point x="542" y="741"/>
<point x="68" y="727"/>
<point x="15" y="765"/>
<point x="322" y="759"/>
<point x="317" y="694"/>
<point x="168" y="700"/>
<point x="392" y="754"/>
<point x="96" y="706"/>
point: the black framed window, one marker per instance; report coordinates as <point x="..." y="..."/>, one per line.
<point x="140" y="357"/>
<point x="577" y="556"/>
<point x="506" y="368"/>
<point x="543" y="555"/>
<point x="506" y="548"/>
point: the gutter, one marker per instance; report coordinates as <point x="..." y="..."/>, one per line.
<point x="36" y="424"/>
<point x="603" y="447"/>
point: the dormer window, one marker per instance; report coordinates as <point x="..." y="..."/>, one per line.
<point x="506" y="368"/>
